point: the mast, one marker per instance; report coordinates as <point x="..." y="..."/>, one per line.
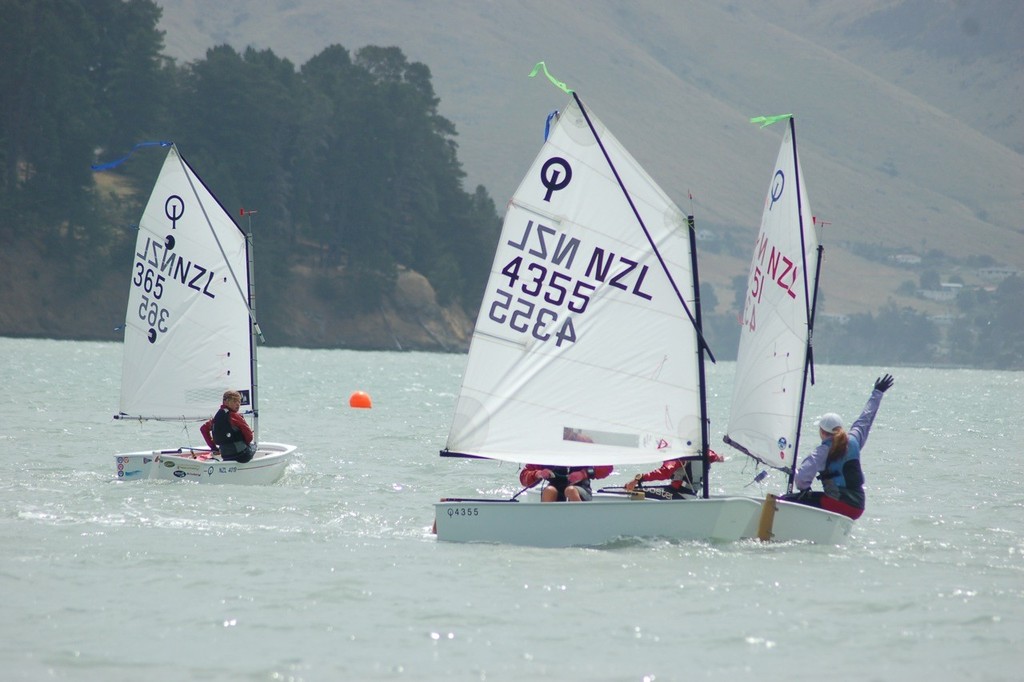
<point x="254" y="327"/>
<point x="700" y="359"/>
<point x="811" y="299"/>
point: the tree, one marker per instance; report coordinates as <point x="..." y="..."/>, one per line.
<point x="930" y="280"/>
<point x="1007" y="323"/>
<point x="77" y="76"/>
<point x="133" y="82"/>
<point x="47" y="113"/>
<point x="391" y="179"/>
<point x="347" y="159"/>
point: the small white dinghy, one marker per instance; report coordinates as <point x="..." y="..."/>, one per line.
<point x="191" y="332"/>
<point x="587" y="351"/>
<point x="775" y="357"/>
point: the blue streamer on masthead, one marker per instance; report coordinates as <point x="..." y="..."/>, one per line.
<point x="115" y="164"/>
<point x="547" y="123"/>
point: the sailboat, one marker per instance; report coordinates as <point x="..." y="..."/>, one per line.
<point x="587" y="351"/>
<point x="775" y="360"/>
<point x="190" y="332"/>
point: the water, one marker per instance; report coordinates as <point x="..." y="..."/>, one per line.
<point x="332" y="574"/>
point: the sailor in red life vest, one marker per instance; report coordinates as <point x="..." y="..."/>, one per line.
<point x="684" y="475"/>
<point x="565" y="484"/>
<point x="228" y="432"/>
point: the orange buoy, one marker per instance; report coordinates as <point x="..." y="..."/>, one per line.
<point x="360" y="399"/>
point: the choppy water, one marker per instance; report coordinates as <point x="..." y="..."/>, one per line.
<point x="332" y="574"/>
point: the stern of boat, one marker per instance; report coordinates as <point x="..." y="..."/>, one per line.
<point x="780" y="521"/>
<point x="135" y="466"/>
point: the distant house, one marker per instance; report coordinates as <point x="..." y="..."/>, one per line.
<point x="906" y="259"/>
<point x="945" y="319"/>
<point x="947" y="292"/>
<point x="996" y="273"/>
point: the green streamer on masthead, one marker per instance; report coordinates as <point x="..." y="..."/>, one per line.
<point x="554" y="81"/>
<point x="766" y="121"/>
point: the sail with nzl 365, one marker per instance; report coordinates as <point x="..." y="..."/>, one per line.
<point x="190" y="333"/>
<point x="587" y="351"/>
<point x="774" y="361"/>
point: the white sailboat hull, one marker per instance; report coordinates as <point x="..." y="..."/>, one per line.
<point x="607" y="519"/>
<point x="599" y="522"/>
<point x="800" y="522"/>
<point x="194" y="464"/>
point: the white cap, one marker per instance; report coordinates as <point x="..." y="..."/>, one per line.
<point x="830" y="422"/>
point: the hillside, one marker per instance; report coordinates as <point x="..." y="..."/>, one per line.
<point x="35" y="304"/>
<point x="905" y="146"/>
<point x="31" y="303"/>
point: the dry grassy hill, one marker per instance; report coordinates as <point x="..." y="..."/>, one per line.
<point x="903" y="145"/>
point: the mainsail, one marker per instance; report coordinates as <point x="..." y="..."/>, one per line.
<point x="188" y="336"/>
<point x="774" y="350"/>
<point x="585" y="350"/>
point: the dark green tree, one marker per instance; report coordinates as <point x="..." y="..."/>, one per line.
<point x="47" y="115"/>
<point x="930" y="280"/>
<point x="1000" y="325"/>
<point x="133" y="81"/>
<point x="388" y="176"/>
<point x="241" y="121"/>
<point x="353" y="166"/>
<point x="72" y="70"/>
<point x="347" y="160"/>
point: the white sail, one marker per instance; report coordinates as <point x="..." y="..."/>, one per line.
<point x="583" y="352"/>
<point x="770" y="365"/>
<point x="187" y="331"/>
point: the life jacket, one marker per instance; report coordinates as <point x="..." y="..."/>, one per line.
<point x="228" y="440"/>
<point x="843" y="479"/>
<point x="561" y="481"/>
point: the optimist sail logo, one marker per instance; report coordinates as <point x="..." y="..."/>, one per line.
<point x="778" y="185"/>
<point x="555" y="174"/>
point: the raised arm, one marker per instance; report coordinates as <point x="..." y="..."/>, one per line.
<point x="862" y="426"/>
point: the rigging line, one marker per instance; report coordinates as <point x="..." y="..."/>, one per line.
<point x="814" y="310"/>
<point x="808" y="367"/>
<point x="643" y="226"/>
<point x="757" y="458"/>
<point x="761" y="475"/>
<point x="188" y="176"/>
<point x="513" y="498"/>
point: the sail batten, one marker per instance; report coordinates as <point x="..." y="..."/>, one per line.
<point x="584" y="352"/>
